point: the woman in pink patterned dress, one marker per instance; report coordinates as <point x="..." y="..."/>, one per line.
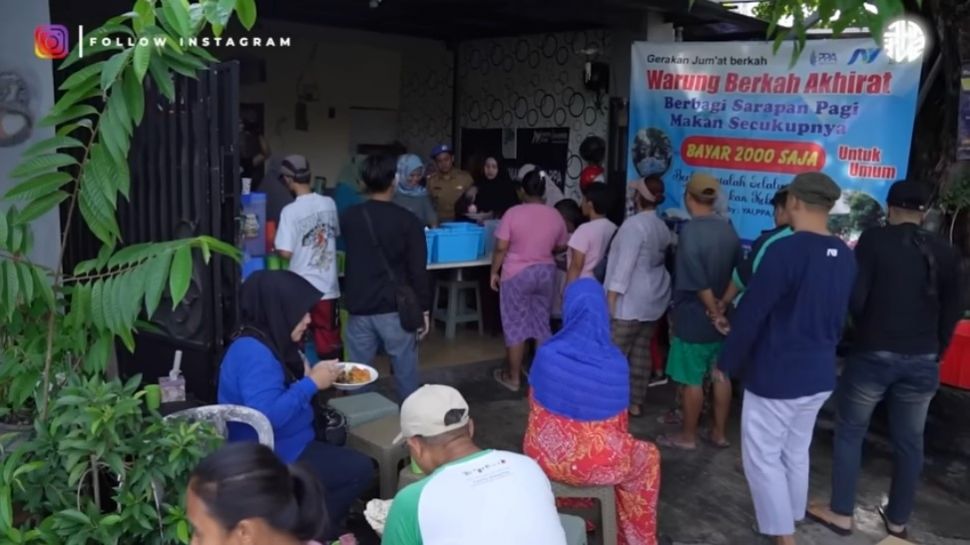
<point x="578" y="420"/>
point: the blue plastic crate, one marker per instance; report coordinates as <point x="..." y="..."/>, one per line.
<point x="454" y="245"/>
<point x="488" y="238"/>
<point x="460" y="225"/>
<point x="431" y="237"/>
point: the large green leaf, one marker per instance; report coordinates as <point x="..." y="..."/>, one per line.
<point x="146" y="15"/>
<point x="4" y="229"/>
<point x="51" y="144"/>
<point x="246" y="11"/>
<point x="118" y="110"/>
<point x="11" y="285"/>
<point x="43" y="283"/>
<point x="38" y="186"/>
<point x="98" y="213"/>
<point x="177" y="14"/>
<point x="41" y="206"/>
<point x="142" y="57"/>
<point x="155" y="277"/>
<point x="159" y="71"/>
<point x="70" y="114"/>
<point x="113" y="67"/>
<point x="76" y="95"/>
<point x="187" y="65"/>
<point x="87" y="74"/>
<point x="98" y="317"/>
<point x="26" y="278"/>
<point x="218" y="12"/>
<point x="42" y="164"/>
<point x="113" y="137"/>
<point x="132" y="290"/>
<point x="180" y="275"/>
<point x="104" y="171"/>
<point x="134" y="95"/>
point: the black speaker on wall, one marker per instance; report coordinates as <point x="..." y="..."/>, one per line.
<point x="597" y="77"/>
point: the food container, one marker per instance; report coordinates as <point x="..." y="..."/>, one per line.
<point x="458" y="244"/>
<point x="430" y="236"/>
<point x="350" y="387"/>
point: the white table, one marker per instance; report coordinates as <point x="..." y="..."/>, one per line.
<point x="460" y="266"/>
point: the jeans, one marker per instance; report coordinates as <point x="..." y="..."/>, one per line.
<point x="345" y="475"/>
<point x="907" y="384"/>
<point x="365" y="335"/>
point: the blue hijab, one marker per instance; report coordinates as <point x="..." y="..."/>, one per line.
<point x="406" y="164"/>
<point x="579" y="373"/>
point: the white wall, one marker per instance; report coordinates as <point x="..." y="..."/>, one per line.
<point x="17" y="58"/>
<point x="352" y="70"/>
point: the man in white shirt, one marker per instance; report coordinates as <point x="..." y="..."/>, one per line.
<point x="307" y="236"/>
<point x="471" y="496"/>
<point x="638" y="285"/>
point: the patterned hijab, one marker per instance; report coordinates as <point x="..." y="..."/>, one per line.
<point x="580" y="373"/>
<point x="406" y="164"/>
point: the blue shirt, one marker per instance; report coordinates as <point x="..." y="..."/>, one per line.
<point x="786" y="329"/>
<point x="252" y="376"/>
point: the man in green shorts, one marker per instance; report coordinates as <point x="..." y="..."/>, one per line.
<point x="707" y="253"/>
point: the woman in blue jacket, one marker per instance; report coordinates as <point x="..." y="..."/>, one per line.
<point x="263" y="369"/>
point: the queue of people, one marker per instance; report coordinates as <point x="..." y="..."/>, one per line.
<point x="770" y="319"/>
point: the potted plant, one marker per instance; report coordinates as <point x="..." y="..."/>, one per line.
<point x="90" y="464"/>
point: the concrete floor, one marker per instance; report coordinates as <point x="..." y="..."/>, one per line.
<point x="704" y="497"/>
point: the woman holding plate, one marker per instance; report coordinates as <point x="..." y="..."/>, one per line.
<point x="263" y="369"/>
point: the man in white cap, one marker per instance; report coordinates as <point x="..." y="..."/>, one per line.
<point x="471" y="496"/>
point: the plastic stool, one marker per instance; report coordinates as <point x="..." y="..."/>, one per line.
<point x="453" y="314"/>
<point x="376" y="440"/>
<point x="575" y="529"/>
<point x="606" y="497"/>
<point x="363" y="408"/>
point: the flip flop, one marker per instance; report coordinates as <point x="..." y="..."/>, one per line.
<point x="722" y="444"/>
<point x="886" y="522"/>
<point x="670" y="442"/>
<point x="499" y="377"/>
<point x="831" y="526"/>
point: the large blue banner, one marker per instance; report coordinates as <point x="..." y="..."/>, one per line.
<point x="744" y="114"/>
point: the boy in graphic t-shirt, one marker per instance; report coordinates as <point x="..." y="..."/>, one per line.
<point x="307" y="236"/>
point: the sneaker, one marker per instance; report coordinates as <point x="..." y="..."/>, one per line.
<point x="658" y="381"/>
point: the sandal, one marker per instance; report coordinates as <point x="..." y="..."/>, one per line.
<point x="902" y="534"/>
<point x="708" y="435"/>
<point x="671" y="442"/>
<point x="635" y="411"/>
<point x="501" y="378"/>
<point x="828" y="524"/>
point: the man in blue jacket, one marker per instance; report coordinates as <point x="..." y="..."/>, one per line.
<point x="782" y="347"/>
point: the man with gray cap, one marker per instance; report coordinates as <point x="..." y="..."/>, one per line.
<point x="782" y="347"/>
<point x="905" y="306"/>
<point x="307" y="236"/>
<point x="448" y="183"/>
<point x="471" y="496"/>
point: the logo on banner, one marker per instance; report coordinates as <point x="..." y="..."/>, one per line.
<point x="50" y="41"/>
<point x="866" y="56"/>
<point x="822" y="58"/>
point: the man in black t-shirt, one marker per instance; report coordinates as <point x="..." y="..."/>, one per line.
<point x="905" y="306"/>
<point x="369" y="291"/>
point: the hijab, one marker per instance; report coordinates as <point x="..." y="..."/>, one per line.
<point x="406" y="164"/>
<point x="496" y="195"/>
<point x="579" y="373"/>
<point x="271" y="304"/>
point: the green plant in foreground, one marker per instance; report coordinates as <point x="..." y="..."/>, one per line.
<point x="97" y="468"/>
<point x="956" y="199"/>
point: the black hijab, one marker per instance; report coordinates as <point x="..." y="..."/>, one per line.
<point x="271" y="304"/>
<point x="496" y="195"/>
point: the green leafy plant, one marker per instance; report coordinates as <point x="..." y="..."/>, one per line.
<point x="836" y="15"/>
<point x="95" y="461"/>
<point x="956" y="200"/>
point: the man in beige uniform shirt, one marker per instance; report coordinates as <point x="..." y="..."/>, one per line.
<point x="448" y="183"/>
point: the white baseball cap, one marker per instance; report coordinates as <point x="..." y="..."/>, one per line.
<point x="432" y="410"/>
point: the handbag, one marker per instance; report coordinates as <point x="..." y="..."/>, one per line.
<point x="406" y="300"/>
<point x="599" y="271"/>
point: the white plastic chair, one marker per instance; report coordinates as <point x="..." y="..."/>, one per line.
<point x="219" y="415"/>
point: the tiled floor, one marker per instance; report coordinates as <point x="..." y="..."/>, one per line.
<point x="467" y="347"/>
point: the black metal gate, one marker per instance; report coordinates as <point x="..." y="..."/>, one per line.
<point x="184" y="167"/>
